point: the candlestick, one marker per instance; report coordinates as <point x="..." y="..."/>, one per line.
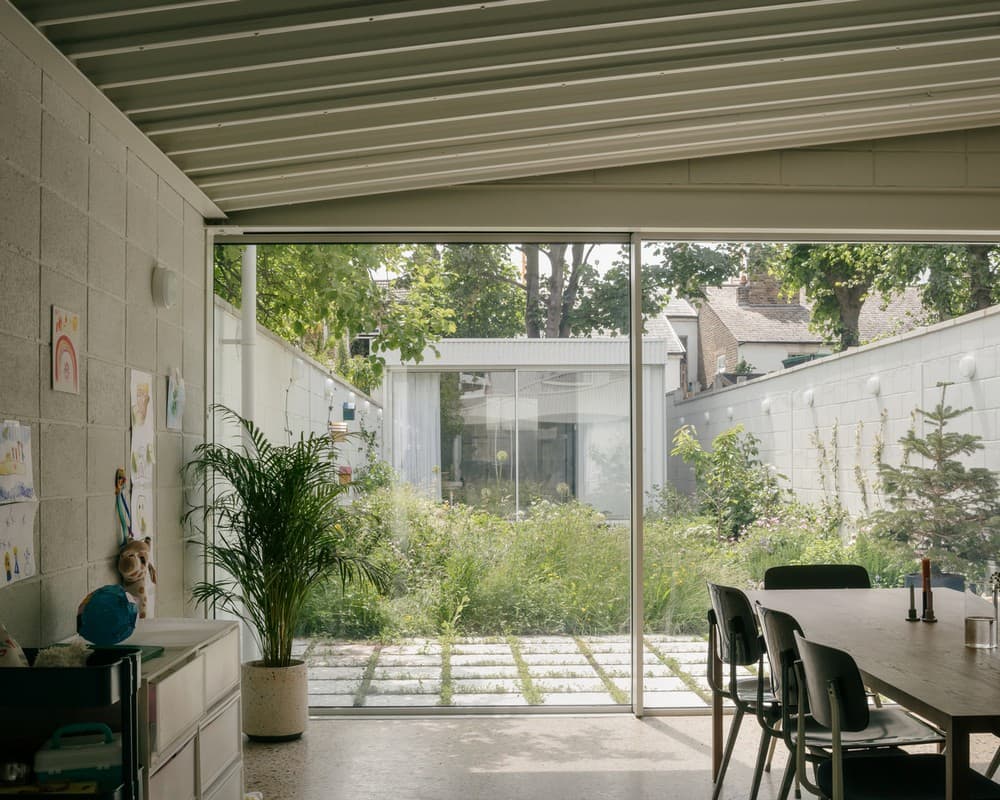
<point x="929" y="608"/>
<point x="911" y="615"/>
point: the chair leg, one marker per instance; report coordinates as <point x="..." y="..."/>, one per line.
<point x="734" y="730"/>
<point x="770" y="753"/>
<point x="786" y="779"/>
<point x="992" y="768"/>
<point x="758" y="768"/>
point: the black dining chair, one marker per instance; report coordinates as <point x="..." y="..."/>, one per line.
<point x="887" y="727"/>
<point x="817" y="576"/>
<point x="829" y="680"/>
<point x="735" y="641"/>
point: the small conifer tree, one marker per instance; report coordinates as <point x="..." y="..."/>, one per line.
<point x="944" y="509"/>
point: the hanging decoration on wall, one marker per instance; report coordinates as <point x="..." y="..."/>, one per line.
<point x="65" y="353"/>
<point x="143" y="453"/>
<point x="175" y="400"/>
<point x="122" y="511"/>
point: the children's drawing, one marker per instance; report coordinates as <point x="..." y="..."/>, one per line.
<point x="17" y="525"/>
<point x="65" y="364"/>
<point x="16" y="483"/>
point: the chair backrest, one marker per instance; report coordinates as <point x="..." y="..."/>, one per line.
<point x="739" y="642"/>
<point x="823" y="665"/>
<point x="779" y="637"/>
<point x="939" y="580"/>
<point x="817" y="576"/>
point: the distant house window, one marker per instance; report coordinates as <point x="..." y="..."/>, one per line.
<point x="720" y="363"/>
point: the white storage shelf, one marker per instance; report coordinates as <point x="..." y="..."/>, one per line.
<point x="190" y="731"/>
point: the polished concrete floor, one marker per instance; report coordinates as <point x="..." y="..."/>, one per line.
<point x="551" y="757"/>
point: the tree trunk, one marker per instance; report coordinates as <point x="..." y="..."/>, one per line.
<point x="850" y="300"/>
<point x="554" y="306"/>
<point x="980" y="279"/>
<point x="531" y="309"/>
<point x="579" y="259"/>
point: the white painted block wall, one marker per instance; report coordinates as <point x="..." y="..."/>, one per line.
<point x="287" y="397"/>
<point x="907" y="368"/>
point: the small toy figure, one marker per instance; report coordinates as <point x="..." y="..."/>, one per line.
<point x="138" y="573"/>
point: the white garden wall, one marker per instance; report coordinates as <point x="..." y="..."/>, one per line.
<point x="849" y="401"/>
<point x="291" y="396"/>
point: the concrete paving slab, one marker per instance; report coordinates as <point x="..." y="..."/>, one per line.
<point x="343" y="649"/>
<point x="554" y="658"/>
<point x="567" y="671"/>
<point x="652" y="684"/>
<point x="473" y="648"/>
<point x="483" y="700"/>
<point x="561" y="646"/>
<point x="335" y="673"/>
<point x="394" y="660"/>
<point x="331" y="700"/>
<point x="568" y="685"/>
<point x="405" y="687"/>
<point x="405" y="672"/>
<point x="426" y="649"/>
<point x="484" y="660"/>
<point x="495" y="671"/>
<point x="334" y="687"/>
<point x="485" y="685"/>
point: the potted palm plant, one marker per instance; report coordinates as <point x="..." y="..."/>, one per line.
<point x="281" y="527"/>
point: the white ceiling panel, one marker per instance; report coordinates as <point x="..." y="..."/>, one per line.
<point x="266" y="104"/>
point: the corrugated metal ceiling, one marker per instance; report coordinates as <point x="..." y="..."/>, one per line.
<point x="264" y="103"/>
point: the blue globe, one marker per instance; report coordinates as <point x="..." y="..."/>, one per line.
<point x="107" y="616"/>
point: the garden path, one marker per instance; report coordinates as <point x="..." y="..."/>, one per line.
<point x="503" y="671"/>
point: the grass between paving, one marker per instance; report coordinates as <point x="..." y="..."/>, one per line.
<point x="617" y="694"/>
<point x="446" y="687"/>
<point x="675" y="666"/>
<point x="531" y="692"/>
<point x="366" y="679"/>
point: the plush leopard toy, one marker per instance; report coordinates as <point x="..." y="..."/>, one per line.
<point x="138" y="573"/>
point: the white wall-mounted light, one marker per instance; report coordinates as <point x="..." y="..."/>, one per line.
<point x="680" y="420"/>
<point x="164" y="287"/>
<point x="708" y="417"/>
<point x="729" y="412"/>
<point x="808" y="397"/>
<point x="368" y="406"/>
<point x="765" y="405"/>
<point x="298" y="368"/>
<point x="967" y="367"/>
<point x="873" y="386"/>
<point x="328" y="389"/>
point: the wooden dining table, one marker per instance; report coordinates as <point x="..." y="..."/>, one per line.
<point x="924" y="667"/>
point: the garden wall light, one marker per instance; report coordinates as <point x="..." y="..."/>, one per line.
<point x="873" y="386"/>
<point x="807" y="397"/>
<point x="967" y="367"/>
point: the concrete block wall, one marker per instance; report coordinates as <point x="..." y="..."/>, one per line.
<point x="289" y="396"/>
<point x="83" y="220"/>
<point x="850" y="401"/>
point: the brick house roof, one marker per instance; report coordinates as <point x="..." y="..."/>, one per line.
<point x="779" y="322"/>
<point x="902" y="312"/>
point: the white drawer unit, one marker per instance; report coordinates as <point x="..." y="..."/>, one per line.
<point x="219" y="743"/>
<point x="190" y="730"/>
<point x="175" y="780"/>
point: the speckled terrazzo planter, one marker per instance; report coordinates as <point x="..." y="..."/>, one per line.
<point x="275" y="701"/>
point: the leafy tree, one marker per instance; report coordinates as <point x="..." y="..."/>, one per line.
<point x="944" y="509"/>
<point x="956" y="279"/>
<point x="734" y="486"/>
<point x="483" y="290"/>
<point x="316" y="295"/>
<point x="837" y="279"/>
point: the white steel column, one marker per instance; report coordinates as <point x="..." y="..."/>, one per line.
<point x="248" y="342"/>
<point x="635" y="345"/>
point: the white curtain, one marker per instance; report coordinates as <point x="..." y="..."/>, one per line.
<point x="416" y="430"/>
